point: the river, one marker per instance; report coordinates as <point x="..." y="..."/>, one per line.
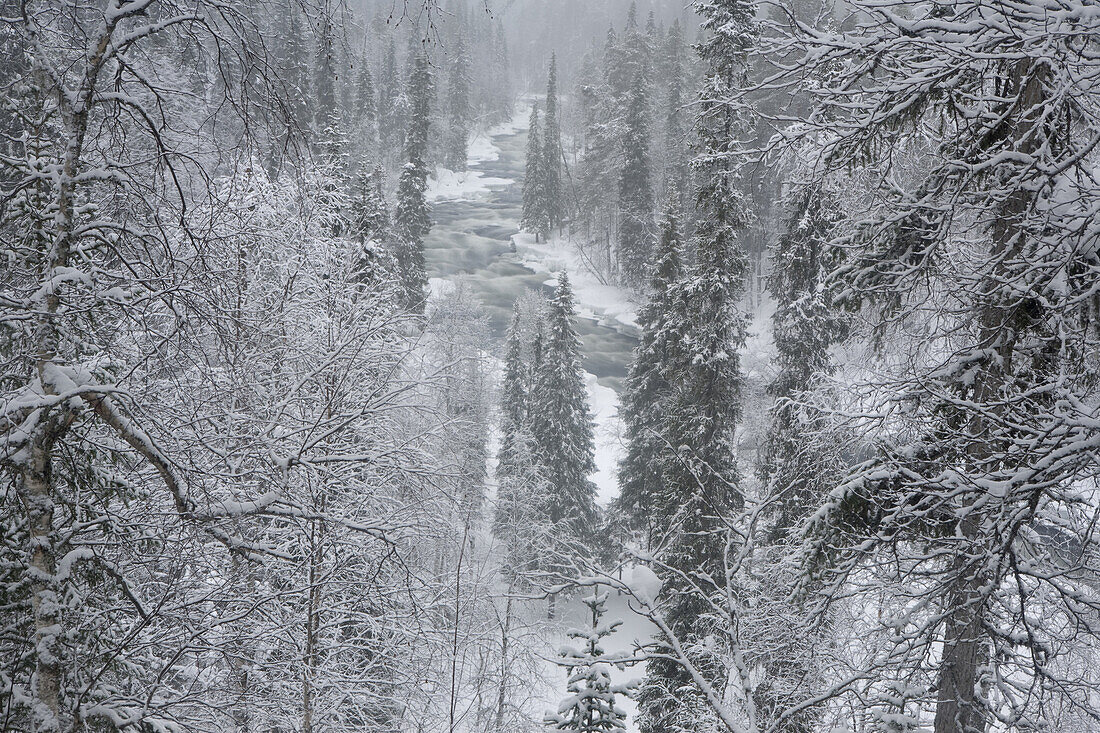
<point x="472" y="239"/>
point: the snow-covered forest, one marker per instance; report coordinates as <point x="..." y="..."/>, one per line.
<point x="500" y="366"/>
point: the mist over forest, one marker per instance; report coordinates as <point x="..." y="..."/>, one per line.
<point x="502" y="366"/>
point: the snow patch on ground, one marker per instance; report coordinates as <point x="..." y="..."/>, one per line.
<point x="440" y="287"/>
<point x="595" y="299"/>
<point x="514" y="125"/>
<point x="449" y="185"/>
<point x="482" y="149"/>
<point x="604" y="402"/>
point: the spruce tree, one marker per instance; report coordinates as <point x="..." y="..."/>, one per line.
<point x="390" y="121"/>
<point x="534" y="214"/>
<point x="420" y="91"/>
<point x="647" y="389"/>
<point x="294" y="64"/>
<point x="412" y="222"/>
<point x="561" y="421"/>
<point x="514" y="389"/>
<point x="366" y="107"/>
<point x="369" y="215"/>
<point x="679" y="168"/>
<point x="326" y="113"/>
<point x="412" y="217"/>
<point x="700" y="475"/>
<point x="975" y="276"/>
<point x="632" y="62"/>
<point x="459" y="112"/>
<point x="806" y="324"/>
<point x="515" y="396"/>
<point x="520" y="518"/>
<point x="796" y="472"/>
<point x="590" y="707"/>
<point x="501" y="77"/>
<point x="617" y="71"/>
<point x="369" y="228"/>
<point x="552" y="190"/>
<point x="599" y="165"/>
<point x="635" y="190"/>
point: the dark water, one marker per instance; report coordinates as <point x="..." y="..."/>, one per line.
<point x="472" y="239"/>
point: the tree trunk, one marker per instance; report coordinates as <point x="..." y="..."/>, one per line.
<point x="37" y="494"/>
<point x="502" y="688"/>
<point x="959" y="708"/>
<point x="313" y="609"/>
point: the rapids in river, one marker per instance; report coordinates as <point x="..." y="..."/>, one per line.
<point x="472" y="239"/>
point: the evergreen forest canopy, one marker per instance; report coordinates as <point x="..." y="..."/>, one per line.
<point x="268" y="464"/>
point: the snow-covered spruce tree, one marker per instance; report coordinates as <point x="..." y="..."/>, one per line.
<point x="795" y="471"/>
<point x="534" y="204"/>
<point x="368" y="212"/>
<point x="365" y="112"/>
<point x="806" y="324"/>
<point x="420" y="89"/>
<point x="598" y="173"/>
<point x="391" y="133"/>
<point x="326" y="112"/>
<point x="293" y="70"/>
<point x="623" y="58"/>
<point x="514" y="392"/>
<point x="590" y="707"/>
<point x="496" y="101"/>
<point x="411" y="223"/>
<point x="968" y="531"/>
<point x="412" y="216"/>
<point x="552" y="189"/>
<point x="677" y="159"/>
<point x="368" y="226"/>
<point x="560" y="419"/>
<point x="635" y="189"/>
<point x="647" y="391"/>
<point x="701" y="479"/>
<point x="458" y="107"/>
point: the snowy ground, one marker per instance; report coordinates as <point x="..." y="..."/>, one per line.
<point x="447" y="185"/>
